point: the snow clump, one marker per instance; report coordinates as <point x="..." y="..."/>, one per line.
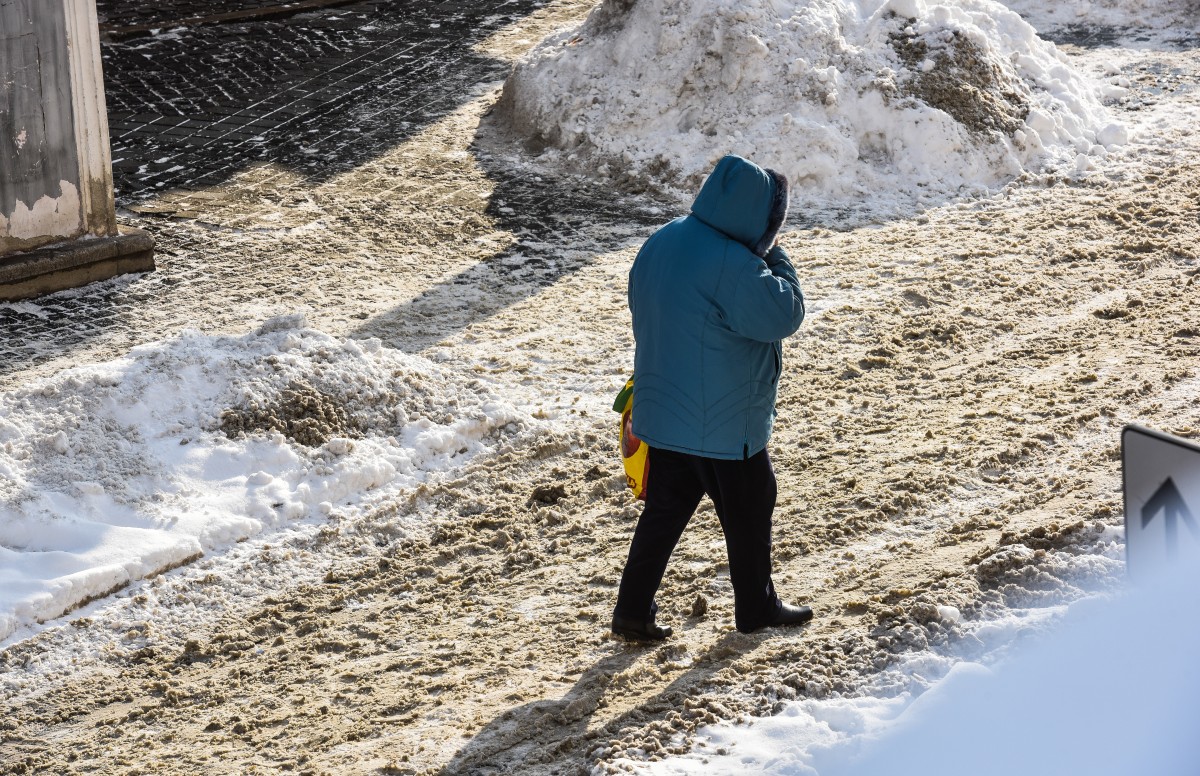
<point x="899" y="101"/>
<point x="114" y="472"/>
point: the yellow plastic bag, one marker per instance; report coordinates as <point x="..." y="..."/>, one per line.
<point x="635" y="453"/>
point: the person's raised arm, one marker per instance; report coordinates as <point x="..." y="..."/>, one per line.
<point x="768" y="304"/>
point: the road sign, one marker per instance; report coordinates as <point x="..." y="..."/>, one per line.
<point x="1162" y="500"/>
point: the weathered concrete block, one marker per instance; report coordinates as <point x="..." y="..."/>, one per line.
<point x="55" y="164"/>
<point x="39" y="162"/>
<point x="75" y="263"/>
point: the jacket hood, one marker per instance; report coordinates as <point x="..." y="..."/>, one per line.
<point x="744" y="201"/>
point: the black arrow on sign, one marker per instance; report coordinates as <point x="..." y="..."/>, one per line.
<point x="1168" y="499"/>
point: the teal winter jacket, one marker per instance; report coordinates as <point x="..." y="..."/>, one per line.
<point x="711" y="299"/>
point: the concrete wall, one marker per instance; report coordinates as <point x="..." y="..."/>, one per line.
<point x="58" y="225"/>
<point x="55" y="169"/>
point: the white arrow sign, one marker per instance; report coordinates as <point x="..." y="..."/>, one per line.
<point x="1162" y="500"/>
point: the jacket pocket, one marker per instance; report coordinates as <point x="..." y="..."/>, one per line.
<point x="777" y="351"/>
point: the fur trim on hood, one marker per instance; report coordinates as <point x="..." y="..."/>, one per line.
<point x="779" y="210"/>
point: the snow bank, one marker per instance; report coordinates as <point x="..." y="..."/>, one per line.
<point x="113" y="472"/>
<point x="891" y="101"/>
<point x="1109" y="691"/>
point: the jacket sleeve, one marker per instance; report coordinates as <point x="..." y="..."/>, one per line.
<point x="767" y="303"/>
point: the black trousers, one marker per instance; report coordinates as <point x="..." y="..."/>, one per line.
<point x="743" y="493"/>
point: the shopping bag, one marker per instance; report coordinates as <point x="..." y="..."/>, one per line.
<point x="635" y="454"/>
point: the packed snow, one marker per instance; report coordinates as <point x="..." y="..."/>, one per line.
<point x="173" y="455"/>
<point x="114" y="472"/>
<point x="1179" y="17"/>
<point x="906" y="100"/>
<point x="1109" y="690"/>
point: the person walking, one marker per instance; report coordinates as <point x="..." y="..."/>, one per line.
<point x="712" y="295"/>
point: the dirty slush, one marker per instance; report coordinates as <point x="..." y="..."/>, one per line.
<point x="947" y="436"/>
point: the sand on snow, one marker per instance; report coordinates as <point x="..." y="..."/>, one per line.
<point x="947" y="441"/>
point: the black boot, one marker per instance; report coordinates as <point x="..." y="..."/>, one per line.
<point x="792" y="615"/>
<point x="637" y="630"/>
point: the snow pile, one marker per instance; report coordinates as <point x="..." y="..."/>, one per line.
<point x="113" y="472"/>
<point x="1110" y="690"/>
<point x="895" y="101"/>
